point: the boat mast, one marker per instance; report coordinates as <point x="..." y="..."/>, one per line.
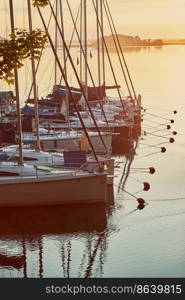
<point x="109" y="59"/>
<point x="62" y="29"/>
<point x="34" y="81"/>
<point x="117" y="50"/>
<point x="75" y="73"/>
<point x="102" y="44"/>
<point x="98" y="47"/>
<point x="85" y="48"/>
<point x="81" y="16"/>
<point x="86" y="62"/>
<point x="121" y="51"/>
<point x="19" y="125"/>
<point x="64" y="62"/>
<point x="66" y="82"/>
<point x="38" y="63"/>
<point x="56" y="41"/>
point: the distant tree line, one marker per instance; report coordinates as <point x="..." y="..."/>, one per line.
<point x="127" y="40"/>
<point x="136" y="41"/>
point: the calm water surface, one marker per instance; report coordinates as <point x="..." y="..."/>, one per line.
<point x="117" y="240"/>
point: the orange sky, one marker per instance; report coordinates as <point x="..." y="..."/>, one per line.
<point x="150" y="18"/>
<point x="145" y="18"/>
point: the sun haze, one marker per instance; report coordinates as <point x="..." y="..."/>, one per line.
<point x="145" y="18"/>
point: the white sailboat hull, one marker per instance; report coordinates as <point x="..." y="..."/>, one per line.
<point x="77" y="142"/>
<point x="56" y="160"/>
<point x="29" y="191"/>
<point x="60" y="144"/>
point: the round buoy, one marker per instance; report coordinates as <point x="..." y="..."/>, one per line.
<point x="175" y="112"/>
<point x="140" y="206"/>
<point x="171" y="140"/>
<point x="151" y="170"/>
<point x="163" y="149"/>
<point x="140" y="200"/>
<point x="172" y="121"/>
<point x="146" y="186"/>
<point x="174" y="132"/>
<point x="168" y="127"/>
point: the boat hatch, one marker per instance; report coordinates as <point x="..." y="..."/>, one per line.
<point x="43" y="168"/>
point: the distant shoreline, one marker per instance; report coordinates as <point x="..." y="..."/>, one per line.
<point x="136" y="41"/>
<point x="174" y="43"/>
<point x="126" y="46"/>
<point x="133" y="46"/>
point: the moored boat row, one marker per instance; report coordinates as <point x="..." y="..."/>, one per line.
<point x="72" y="133"/>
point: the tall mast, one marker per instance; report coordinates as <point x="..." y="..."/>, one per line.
<point x="109" y="59"/>
<point x="62" y="29"/>
<point x="19" y="126"/>
<point x="56" y="41"/>
<point x="123" y="57"/>
<point x="98" y="44"/>
<point x="81" y="16"/>
<point x="117" y="50"/>
<point x="66" y="83"/>
<point x="76" y="75"/>
<point x="85" y="47"/>
<point x="83" y="52"/>
<point x="34" y="81"/>
<point x="102" y="43"/>
<point x="64" y="61"/>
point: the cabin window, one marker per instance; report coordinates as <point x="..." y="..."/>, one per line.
<point x="30" y="159"/>
<point x="5" y="173"/>
<point x="16" y="158"/>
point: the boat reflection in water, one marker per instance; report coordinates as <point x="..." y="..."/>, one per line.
<point x="125" y="145"/>
<point x="56" y="241"/>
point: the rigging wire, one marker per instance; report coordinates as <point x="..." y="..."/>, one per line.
<point x="117" y="50"/>
<point x="67" y="85"/>
<point x="121" y="51"/>
<point x="110" y="61"/>
<point x="86" y="62"/>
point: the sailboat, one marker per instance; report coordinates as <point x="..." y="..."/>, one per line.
<point x="36" y="186"/>
<point x="60" y="160"/>
<point x="60" y="139"/>
<point x="22" y="185"/>
<point x="124" y="124"/>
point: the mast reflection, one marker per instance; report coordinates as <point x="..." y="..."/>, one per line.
<point x="30" y="229"/>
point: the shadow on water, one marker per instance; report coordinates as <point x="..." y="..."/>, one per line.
<point x="28" y="227"/>
<point x="53" y="219"/>
<point x="127" y="166"/>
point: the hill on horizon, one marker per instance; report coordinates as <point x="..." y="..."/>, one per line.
<point x="128" y="40"/>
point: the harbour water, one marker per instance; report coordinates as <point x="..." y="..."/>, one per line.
<point x="117" y="239"/>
